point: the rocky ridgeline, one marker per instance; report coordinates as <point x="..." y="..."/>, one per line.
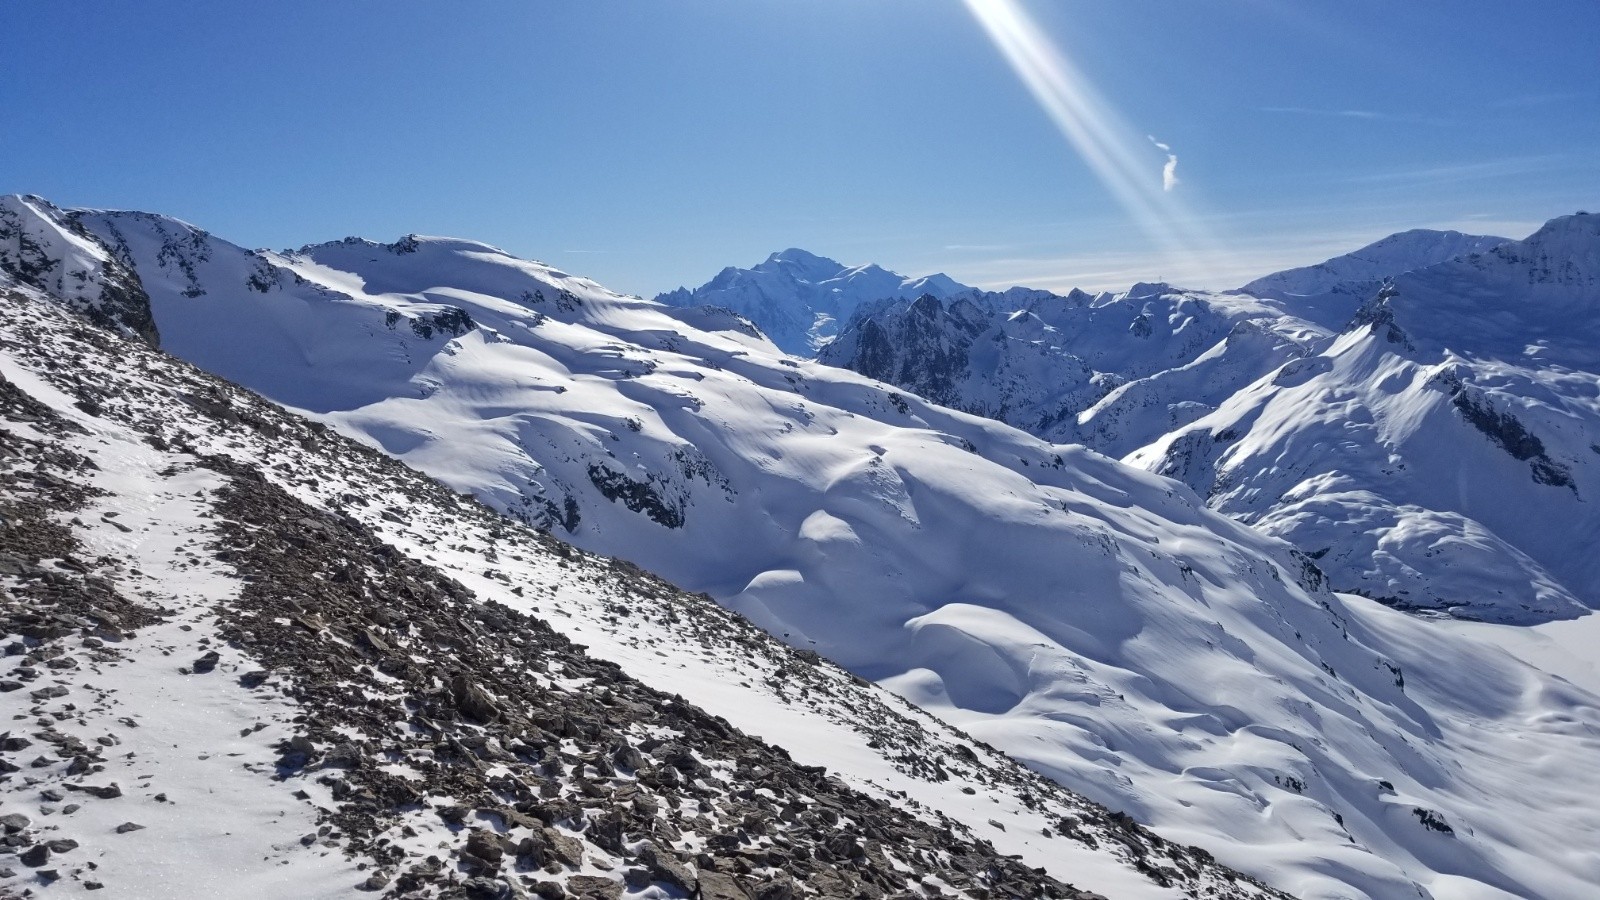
<point x="452" y="746"/>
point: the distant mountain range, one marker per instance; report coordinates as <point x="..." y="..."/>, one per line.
<point x="801" y="300"/>
<point x="1162" y="651"/>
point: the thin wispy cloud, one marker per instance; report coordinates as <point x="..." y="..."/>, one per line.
<point x="1525" y="101"/>
<point x="1367" y="115"/>
<point x="1169" y="172"/>
<point x="1454" y="172"/>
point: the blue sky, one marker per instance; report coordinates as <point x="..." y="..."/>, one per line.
<point x="648" y="144"/>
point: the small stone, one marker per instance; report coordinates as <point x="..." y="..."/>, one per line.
<point x="206" y="663"/>
<point x="35" y="856"/>
<point x="594" y="886"/>
<point x="108" y="792"/>
<point x="126" y="827"/>
<point x="377" y="881"/>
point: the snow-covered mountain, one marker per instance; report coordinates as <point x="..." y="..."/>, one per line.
<point x="257" y="660"/>
<point x="1171" y="379"/>
<point x="1444" y="451"/>
<point x="1093" y="621"/>
<point x="800" y="300"/>
<point x="1331" y="291"/>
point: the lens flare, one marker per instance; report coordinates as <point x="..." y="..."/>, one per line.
<point x="1118" y="156"/>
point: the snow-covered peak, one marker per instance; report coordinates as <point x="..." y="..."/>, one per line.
<point x="803" y="260"/>
<point x="801" y="300"/>
<point x="1397" y="253"/>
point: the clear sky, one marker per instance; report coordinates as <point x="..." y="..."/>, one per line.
<point x="648" y="144"/>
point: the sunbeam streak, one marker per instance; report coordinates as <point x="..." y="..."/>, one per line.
<point x="1119" y="159"/>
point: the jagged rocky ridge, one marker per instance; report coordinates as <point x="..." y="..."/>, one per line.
<point x="1113" y="372"/>
<point x="431" y="739"/>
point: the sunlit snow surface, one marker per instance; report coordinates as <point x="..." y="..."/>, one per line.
<point x="1092" y="620"/>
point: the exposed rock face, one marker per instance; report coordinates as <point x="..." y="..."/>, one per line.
<point x="44" y="247"/>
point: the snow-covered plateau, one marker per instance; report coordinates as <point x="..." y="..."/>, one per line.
<point x="1095" y="622"/>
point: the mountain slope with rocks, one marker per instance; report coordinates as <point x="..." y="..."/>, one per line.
<point x="1094" y="622"/>
<point x="800" y="300"/>
<point x="253" y="658"/>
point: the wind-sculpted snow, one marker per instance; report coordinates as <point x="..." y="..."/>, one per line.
<point x="1096" y="622"/>
<point x="801" y="300"/>
<point x="1442" y="453"/>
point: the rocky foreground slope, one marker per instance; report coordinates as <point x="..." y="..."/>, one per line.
<point x="250" y="658"/>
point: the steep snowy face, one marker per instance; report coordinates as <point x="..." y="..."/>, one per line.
<point x="43" y="247"/>
<point x="1094" y="621"/>
<point x="1442" y="453"/>
<point x="800" y="300"/>
<point x="1113" y="372"/>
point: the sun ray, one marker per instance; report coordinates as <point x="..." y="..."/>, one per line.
<point x="1114" y="152"/>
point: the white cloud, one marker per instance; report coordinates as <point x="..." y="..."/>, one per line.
<point x="1169" y="172"/>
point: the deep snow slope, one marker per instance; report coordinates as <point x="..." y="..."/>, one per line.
<point x="1331" y="291"/>
<point x="250" y="658"/>
<point x="1113" y="371"/>
<point x="1444" y="451"/>
<point x="1096" y="622"/>
<point x="801" y="300"/>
